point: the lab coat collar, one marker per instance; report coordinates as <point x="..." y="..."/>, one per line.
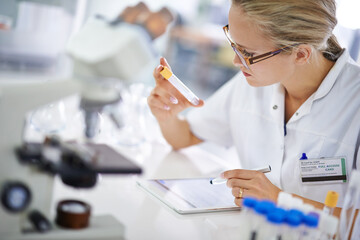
<point x="332" y="76"/>
<point x="324" y="87"/>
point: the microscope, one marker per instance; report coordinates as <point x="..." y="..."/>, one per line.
<point x="27" y="170"/>
<point x="102" y="54"/>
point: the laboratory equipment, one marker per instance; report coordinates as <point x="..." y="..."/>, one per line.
<point x="32" y="49"/>
<point x="113" y="52"/>
<point x="310" y="230"/>
<point x="272" y="228"/>
<point x="350" y="207"/>
<point x="330" y="202"/>
<point x="180" y="86"/>
<point x="73" y="214"/>
<point x="35" y="41"/>
<point x="247" y="215"/>
<point x="291" y="230"/>
<point x="50" y="119"/>
<point x="356" y="230"/>
<point x="261" y="209"/>
<point x="328" y="225"/>
<point x="135" y="113"/>
<point x="30" y="186"/>
<point x="104" y="50"/>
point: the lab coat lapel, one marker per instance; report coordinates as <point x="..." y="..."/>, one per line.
<point x="277" y="107"/>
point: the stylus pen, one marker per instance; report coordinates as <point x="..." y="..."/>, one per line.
<point x="219" y="180"/>
<point x="180" y="86"/>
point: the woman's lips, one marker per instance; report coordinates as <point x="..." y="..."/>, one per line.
<point x="246" y="74"/>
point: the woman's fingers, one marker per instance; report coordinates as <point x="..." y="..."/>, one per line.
<point x="157" y="76"/>
<point x="241" y="173"/>
<point x="201" y="103"/>
<point x="165" y="96"/>
<point x="164" y="62"/>
<point x="162" y="100"/>
<point x="238" y="192"/>
<point x="254" y="183"/>
<point x="239" y="183"/>
<point x="155" y="102"/>
<point x="238" y="202"/>
<point x="245" y="193"/>
<point x="159" y="68"/>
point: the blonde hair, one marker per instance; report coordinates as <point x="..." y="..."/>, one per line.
<point x="291" y="22"/>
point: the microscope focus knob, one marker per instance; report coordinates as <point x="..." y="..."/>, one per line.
<point x="15" y="196"/>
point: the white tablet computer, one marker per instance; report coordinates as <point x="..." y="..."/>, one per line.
<point x="193" y="195"/>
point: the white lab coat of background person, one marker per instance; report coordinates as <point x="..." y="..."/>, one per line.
<point x="252" y="118"/>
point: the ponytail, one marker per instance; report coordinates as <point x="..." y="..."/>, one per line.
<point x="333" y="50"/>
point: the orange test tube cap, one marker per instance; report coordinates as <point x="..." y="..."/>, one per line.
<point x="166" y="73"/>
<point x="331" y="199"/>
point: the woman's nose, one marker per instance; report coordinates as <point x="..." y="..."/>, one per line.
<point x="236" y="61"/>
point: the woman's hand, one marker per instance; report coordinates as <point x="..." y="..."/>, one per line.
<point x="165" y="101"/>
<point x="252" y="183"/>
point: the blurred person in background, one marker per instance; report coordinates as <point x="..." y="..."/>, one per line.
<point x="297" y="92"/>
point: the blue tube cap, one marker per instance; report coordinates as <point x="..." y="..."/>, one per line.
<point x="250" y="202"/>
<point x="311" y="221"/>
<point x="293" y="219"/>
<point x="276" y="216"/>
<point x="297" y="212"/>
<point x="264" y="207"/>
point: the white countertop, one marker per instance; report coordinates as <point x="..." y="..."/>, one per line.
<point x="144" y="216"/>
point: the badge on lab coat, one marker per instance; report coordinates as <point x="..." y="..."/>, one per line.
<point x="323" y="170"/>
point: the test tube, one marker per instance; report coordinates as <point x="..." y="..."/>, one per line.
<point x="262" y="208"/>
<point x="328" y="226"/>
<point x="249" y="218"/>
<point x="292" y="228"/>
<point x="330" y="202"/>
<point x="272" y="229"/>
<point x="180" y="86"/>
<point x="351" y="201"/>
<point x="310" y="230"/>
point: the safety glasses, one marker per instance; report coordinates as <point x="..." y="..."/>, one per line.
<point x="246" y="58"/>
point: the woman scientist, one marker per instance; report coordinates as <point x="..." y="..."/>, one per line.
<point x="298" y="93"/>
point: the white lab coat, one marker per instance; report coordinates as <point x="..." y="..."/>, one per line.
<point x="252" y="119"/>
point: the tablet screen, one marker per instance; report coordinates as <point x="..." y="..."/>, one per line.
<point x="191" y="195"/>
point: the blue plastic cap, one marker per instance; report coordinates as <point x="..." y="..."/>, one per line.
<point x="297" y="212"/>
<point x="311" y="221"/>
<point x="303" y="156"/>
<point x="293" y="219"/>
<point x="250" y="202"/>
<point x="276" y="216"/>
<point x="314" y="214"/>
<point x="264" y="207"/>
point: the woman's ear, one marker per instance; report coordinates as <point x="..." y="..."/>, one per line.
<point x="302" y="54"/>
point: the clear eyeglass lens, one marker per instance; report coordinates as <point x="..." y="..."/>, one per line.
<point x="243" y="61"/>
